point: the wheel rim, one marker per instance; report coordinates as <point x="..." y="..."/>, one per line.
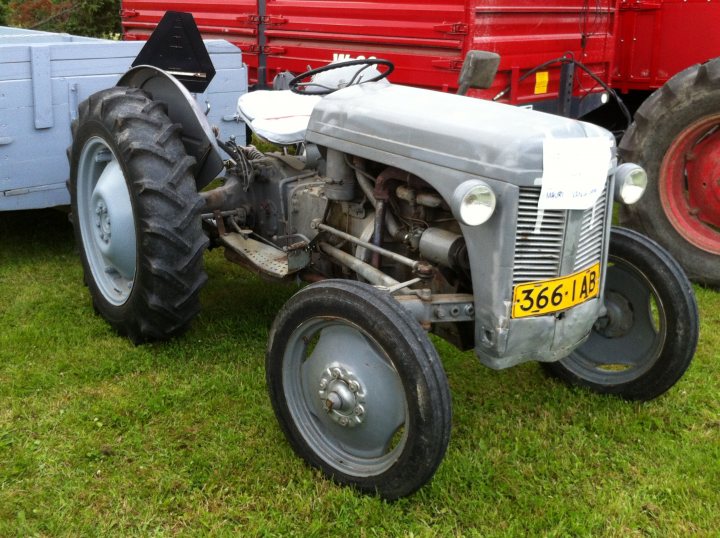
<point x="690" y="184"/>
<point x="626" y="343"/>
<point x="106" y="221"/>
<point x="345" y="396"/>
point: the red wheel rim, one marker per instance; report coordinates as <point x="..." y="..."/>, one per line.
<point x="689" y="184"/>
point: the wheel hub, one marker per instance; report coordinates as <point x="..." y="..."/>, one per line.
<point x="102" y="221"/>
<point x="107" y="221"/>
<point x="619" y="318"/>
<point x="342" y="396"/>
<point x="703" y="174"/>
<point x="689" y="185"/>
<point x="113" y="212"/>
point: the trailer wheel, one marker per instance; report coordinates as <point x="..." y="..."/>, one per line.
<point x="136" y="215"/>
<point x="358" y="388"/>
<point x="676" y="137"/>
<point x="646" y="341"/>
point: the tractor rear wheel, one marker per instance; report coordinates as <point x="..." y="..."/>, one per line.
<point x="136" y="214"/>
<point x="675" y="136"/>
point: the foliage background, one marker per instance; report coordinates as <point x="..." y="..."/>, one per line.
<point x="85" y="17"/>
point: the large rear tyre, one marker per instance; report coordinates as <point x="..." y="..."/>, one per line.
<point x="358" y="388"/>
<point x="646" y="341"/>
<point x="675" y="136"/>
<point x="136" y="215"/>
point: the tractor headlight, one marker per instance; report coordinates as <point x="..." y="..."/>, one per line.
<point x="630" y="183"/>
<point x="474" y="202"/>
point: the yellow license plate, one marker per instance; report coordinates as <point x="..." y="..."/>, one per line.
<point x="554" y="295"/>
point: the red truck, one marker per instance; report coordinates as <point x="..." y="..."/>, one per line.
<point x="570" y="57"/>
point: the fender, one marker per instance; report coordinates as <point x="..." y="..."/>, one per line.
<point x="183" y="109"/>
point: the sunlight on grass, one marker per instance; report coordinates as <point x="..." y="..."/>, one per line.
<point x="100" y="437"/>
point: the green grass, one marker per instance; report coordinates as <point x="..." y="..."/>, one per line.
<point x="100" y="437"/>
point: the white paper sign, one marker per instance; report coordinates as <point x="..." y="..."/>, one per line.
<point x="574" y="172"/>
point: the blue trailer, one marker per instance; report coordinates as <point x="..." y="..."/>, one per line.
<point x="43" y="78"/>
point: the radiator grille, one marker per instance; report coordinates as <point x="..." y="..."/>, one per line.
<point x="540" y="238"/>
<point x="589" y="249"/>
<point x="538" y="243"/>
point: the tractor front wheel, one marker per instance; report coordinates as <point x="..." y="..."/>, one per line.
<point x="358" y="388"/>
<point x="646" y="340"/>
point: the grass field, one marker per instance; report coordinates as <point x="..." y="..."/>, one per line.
<point x="99" y="437"/>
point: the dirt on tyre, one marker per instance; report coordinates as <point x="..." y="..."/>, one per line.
<point x="358" y="388"/>
<point x="675" y="136"/>
<point x="647" y="339"/>
<point x="136" y="214"/>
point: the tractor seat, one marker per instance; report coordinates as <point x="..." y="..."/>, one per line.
<point x="280" y="117"/>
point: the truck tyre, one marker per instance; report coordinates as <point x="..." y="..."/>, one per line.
<point x="136" y="215"/>
<point x="358" y="388"/>
<point x="646" y="341"/>
<point x="675" y="137"/>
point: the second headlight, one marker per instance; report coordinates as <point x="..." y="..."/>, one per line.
<point x="630" y="183"/>
<point x="474" y="202"/>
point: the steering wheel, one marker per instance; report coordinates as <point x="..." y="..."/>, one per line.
<point x="315" y="88"/>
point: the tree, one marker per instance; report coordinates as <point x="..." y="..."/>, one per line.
<point x="4" y="12"/>
<point x="87" y="17"/>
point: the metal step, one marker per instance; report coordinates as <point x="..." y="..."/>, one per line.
<point x="266" y="258"/>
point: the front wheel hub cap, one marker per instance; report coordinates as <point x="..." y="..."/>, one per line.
<point x="619" y="319"/>
<point x="342" y="396"/>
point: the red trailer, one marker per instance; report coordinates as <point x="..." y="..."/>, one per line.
<point x="426" y="40"/>
<point x="560" y="56"/>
